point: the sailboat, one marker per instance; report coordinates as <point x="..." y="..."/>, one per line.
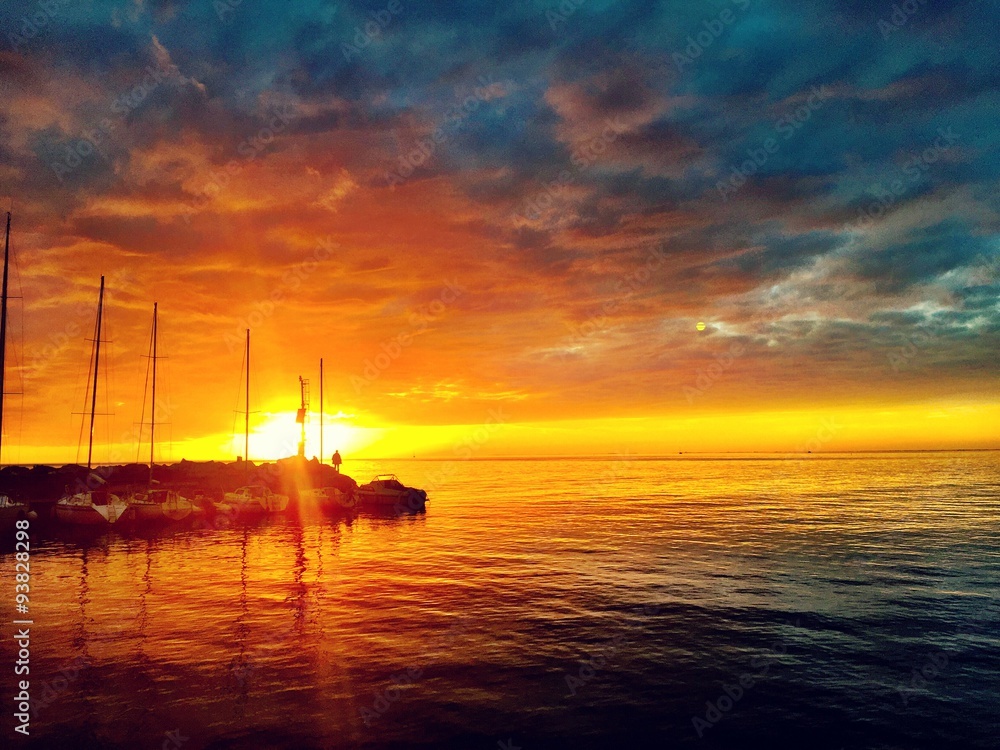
<point x="95" y="507"/>
<point x="155" y="504"/>
<point x="255" y="499"/>
<point x="11" y="511"/>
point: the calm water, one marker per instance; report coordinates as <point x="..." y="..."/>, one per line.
<point x="855" y="597"/>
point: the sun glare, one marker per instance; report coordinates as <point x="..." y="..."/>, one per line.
<point x="276" y="435"/>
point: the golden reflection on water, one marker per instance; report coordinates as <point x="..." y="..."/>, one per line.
<point x="226" y="633"/>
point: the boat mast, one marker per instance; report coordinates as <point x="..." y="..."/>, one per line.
<point x="321" y="410"/>
<point x="152" y="412"/>
<point x="3" y="325"/>
<point x="246" y="429"/>
<point x="97" y="359"/>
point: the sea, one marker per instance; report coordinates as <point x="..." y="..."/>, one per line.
<point x="694" y="601"/>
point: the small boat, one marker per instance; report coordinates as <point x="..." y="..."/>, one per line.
<point x="256" y="498"/>
<point x="11" y="512"/>
<point x="158" y="506"/>
<point x="385" y="490"/>
<point x="94" y="508"/>
<point x="330" y="498"/>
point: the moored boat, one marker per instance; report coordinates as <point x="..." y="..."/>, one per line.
<point x="330" y="499"/>
<point x="159" y="506"/>
<point x="11" y="512"/>
<point x="386" y="491"/>
<point x="94" y="508"/>
<point x="156" y="504"/>
<point x="256" y="499"/>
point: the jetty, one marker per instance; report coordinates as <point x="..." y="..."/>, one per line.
<point x="41" y="486"/>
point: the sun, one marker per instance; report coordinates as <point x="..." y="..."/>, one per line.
<point x="275" y="435"/>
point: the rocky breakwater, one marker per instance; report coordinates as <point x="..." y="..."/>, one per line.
<point x="42" y="486"/>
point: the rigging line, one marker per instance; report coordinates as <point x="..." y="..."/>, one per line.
<point x="107" y="382"/>
<point x="145" y="390"/>
<point x="20" y="370"/>
<point x="86" y="391"/>
<point x="236" y="411"/>
<point x="166" y="388"/>
<point x="136" y="438"/>
<point x="110" y="385"/>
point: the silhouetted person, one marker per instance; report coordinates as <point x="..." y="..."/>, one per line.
<point x="337" y="461"/>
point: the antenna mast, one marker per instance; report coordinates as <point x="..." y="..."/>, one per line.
<point x="246" y="433"/>
<point x="300" y="417"/>
<point x="321" y="410"/>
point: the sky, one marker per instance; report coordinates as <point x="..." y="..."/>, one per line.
<point x="531" y="228"/>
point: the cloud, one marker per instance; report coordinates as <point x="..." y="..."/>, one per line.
<point x="584" y="150"/>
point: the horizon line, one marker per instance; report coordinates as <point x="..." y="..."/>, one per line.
<point x="547" y="457"/>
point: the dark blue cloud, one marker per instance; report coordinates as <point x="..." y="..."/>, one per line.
<point x="701" y="87"/>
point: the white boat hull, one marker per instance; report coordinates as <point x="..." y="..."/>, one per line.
<point x="11" y="514"/>
<point x="172" y="510"/>
<point x="256" y="501"/>
<point x="385" y="491"/>
<point x="89" y="513"/>
<point x="329" y="498"/>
